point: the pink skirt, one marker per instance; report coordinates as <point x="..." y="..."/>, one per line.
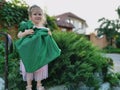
<point x="40" y="74"/>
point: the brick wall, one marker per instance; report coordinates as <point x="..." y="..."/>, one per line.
<point x="100" y="42"/>
<point x="11" y="30"/>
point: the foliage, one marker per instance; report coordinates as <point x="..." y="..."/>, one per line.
<point x="12" y="13"/>
<point x="113" y="79"/>
<point x="109" y="28"/>
<point x="117" y="42"/>
<point x="79" y="61"/>
<point x="51" y="23"/>
<point x="14" y="78"/>
<point x="118" y="11"/>
<point x="1" y="58"/>
<point x="2" y="0"/>
<point x="111" y="49"/>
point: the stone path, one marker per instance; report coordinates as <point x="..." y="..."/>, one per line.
<point x="116" y="60"/>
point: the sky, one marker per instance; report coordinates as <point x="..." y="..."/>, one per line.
<point x="89" y="10"/>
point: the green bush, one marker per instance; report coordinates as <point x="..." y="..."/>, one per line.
<point x="14" y="77"/>
<point x="113" y="79"/>
<point x="12" y="13"/>
<point x="111" y="49"/>
<point x="79" y="62"/>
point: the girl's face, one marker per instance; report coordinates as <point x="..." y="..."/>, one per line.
<point x="36" y="16"/>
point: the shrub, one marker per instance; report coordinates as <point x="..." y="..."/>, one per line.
<point x="111" y="49"/>
<point x="14" y="77"/>
<point x="12" y="13"/>
<point x="79" y="62"/>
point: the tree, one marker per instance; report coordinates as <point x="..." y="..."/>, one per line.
<point x="51" y="23"/>
<point x="12" y="13"/>
<point x="118" y="11"/>
<point x="108" y="28"/>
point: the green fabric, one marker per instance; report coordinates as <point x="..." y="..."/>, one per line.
<point x="25" y="25"/>
<point x="37" y="50"/>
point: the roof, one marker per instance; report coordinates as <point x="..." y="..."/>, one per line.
<point x="65" y="24"/>
<point x="61" y="20"/>
<point x="69" y="14"/>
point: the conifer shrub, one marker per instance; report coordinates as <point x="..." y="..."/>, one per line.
<point x="80" y="62"/>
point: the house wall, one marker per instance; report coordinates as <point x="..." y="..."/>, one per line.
<point x="100" y="42"/>
<point x="64" y="29"/>
<point x="79" y="25"/>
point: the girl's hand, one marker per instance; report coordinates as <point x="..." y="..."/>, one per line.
<point x="49" y="32"/>
<point x="25" y="33"/>
<point x="30" y="31"/>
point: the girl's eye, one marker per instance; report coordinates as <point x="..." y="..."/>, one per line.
<point x="35" y="14"/>
<point x="40" y="14"/>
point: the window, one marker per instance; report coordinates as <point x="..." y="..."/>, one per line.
<point x="58" y="19"/>
<point x="69" y="20"/>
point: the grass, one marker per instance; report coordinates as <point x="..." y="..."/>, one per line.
<point x="111" y="49"/>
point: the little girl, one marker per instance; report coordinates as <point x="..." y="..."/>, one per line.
<point x="36" y="48"/>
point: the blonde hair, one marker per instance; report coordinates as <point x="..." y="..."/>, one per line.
<point x="34" y="7"/>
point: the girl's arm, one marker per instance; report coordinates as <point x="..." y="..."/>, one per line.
<point x="25" y="33"/>
<point x="49" y="32"/>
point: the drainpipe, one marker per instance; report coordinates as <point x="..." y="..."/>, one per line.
<point x="8" y="44"/>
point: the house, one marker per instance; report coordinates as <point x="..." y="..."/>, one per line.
<point x="71" y="22"/>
